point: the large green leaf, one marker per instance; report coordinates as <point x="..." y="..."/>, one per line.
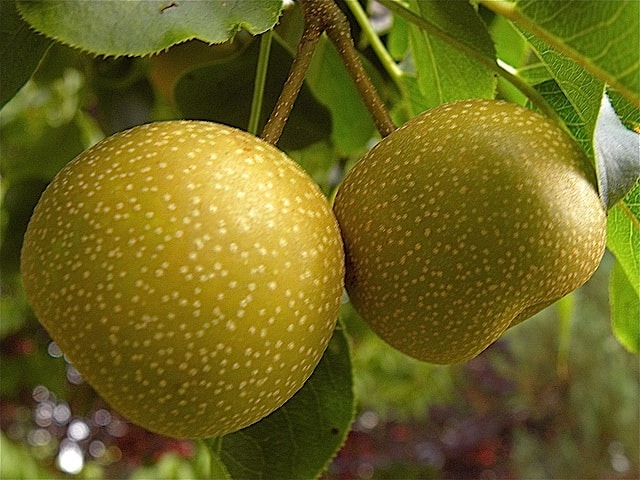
<point x="145" y="27"/>
<point x="298" y="440"/>
<point x="603" y="37"/>
<point x="21" y="49"/>
<point x="578" y="98"/>
<point x="623" y="240"/>
<point x="444" y="73"/>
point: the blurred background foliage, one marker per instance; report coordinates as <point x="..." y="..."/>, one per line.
<point x="556" y="397"/>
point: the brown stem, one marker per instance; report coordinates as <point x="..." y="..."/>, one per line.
<point x="325" y="16"/>
<point x="338" y="31"/>
<point x="313" y="29"/>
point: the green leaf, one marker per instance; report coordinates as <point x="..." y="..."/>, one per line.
<point x="603" y="37"/>
<point x="512" y="50"/>
<point x="318" y="159"/>
<point x="582" y="91"/>
<point x="444" y="73"/>
<point x="21" y="49"/>
<point x="625" y="310"/>
<point x="141" y="28"/>
<point x="221" y="92"/>
<point x="416" y="102"/>
<point x="579" y="117"/>
<point x="623" y="235"/>
<point x="298" y="440"/>
<point x="398" y="38"/>
<point x="18" y="201"/>
<point x="617" y="153"/>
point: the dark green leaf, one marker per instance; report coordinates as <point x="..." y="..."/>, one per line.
<point x="617" y="153"/>
<point x="625" y="310"/>
<point x="18" y="202"/>
<point x="142" y="28"/>
<point x="318" y="160"/>
<point x="124" y="97"/>
<point x="298" y="440"/>
<point x="21" y="49"/>
<point x="222" y="91"/>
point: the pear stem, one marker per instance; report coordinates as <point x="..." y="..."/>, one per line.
<point x="310" y="35"/>
<point x="324" y="16"/>
<point x="339" y="32"/>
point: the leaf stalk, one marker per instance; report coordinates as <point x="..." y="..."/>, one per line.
<point x="261" y="78"/>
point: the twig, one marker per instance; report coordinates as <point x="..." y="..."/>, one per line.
<point x="325" y="16"/>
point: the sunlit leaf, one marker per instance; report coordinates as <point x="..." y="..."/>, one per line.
<point x="141" y="28"/>
<point x="513" y="51"/>
<point x="17" y="462"/>
<point x="443" y="72"/>
<point x="582" y="91"/>
<point x="603" y="37"/>
<point x="171" y="466"/>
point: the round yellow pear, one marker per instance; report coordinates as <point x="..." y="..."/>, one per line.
<point x="468" y="219"/>
<point x="191" y="272"/>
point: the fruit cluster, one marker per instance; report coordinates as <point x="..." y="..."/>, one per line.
<point x="193" y="273"/>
